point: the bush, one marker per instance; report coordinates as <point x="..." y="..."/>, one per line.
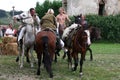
<point x="109" y="25"/>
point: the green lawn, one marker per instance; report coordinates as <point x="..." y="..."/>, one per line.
<point x="105" y="66"/>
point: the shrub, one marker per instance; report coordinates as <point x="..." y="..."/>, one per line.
<point x="109" y="25"/>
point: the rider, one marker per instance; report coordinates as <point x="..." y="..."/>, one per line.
<point x="34" y="22"/>
<point x="62" y="17"/>
<point x="49" y="21"/>
<point x="84" y="23"/>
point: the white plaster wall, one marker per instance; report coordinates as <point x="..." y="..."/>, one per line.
<point x="111" y="7"/>
<point x="75" y="7"/>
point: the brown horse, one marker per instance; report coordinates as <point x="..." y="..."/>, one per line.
<point x="45" y="45"/>
<point x="78" y="44"/>
<point x="95" y="34"/>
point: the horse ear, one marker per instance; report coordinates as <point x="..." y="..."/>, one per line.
<point x="80" y="15"/>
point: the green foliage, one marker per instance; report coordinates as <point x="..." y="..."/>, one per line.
<point x="2" y="13"/>
<point x="109" y="25"/>
<point x="41" y="9"/>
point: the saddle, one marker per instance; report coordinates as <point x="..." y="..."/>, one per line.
<point x="71" y="36"/>
<point x="49" y="29"/>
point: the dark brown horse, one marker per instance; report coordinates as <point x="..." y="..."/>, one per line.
<point x="78" y="45"/>
<point x="95" y="34"/>
<point x="45" y="46"/>
<point x="77" y="38"/>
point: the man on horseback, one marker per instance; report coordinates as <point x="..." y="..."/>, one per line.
<point x="84" y="24"/>
<point x="62" y="17"/>
<point x="49" y="21"/>
<point x="33" y="20"/>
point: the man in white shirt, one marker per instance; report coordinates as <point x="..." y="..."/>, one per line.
<point x="10" y="32"/>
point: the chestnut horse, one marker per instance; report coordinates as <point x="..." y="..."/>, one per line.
<point x="95" y="33"/>
<point x="78" y="45"/>
<point x="45" y="44"/>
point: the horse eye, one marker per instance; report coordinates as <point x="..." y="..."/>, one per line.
<point x="23" y="15"/>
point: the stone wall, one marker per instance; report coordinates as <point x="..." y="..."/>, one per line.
<point x="75" y="7"/>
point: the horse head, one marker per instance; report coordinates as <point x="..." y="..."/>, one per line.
<point x="78" y="19"/>
<point x="24" y="18"/>
<point x="95" y="33"/>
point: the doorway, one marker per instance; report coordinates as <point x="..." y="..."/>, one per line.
<point x="101" y="8"/>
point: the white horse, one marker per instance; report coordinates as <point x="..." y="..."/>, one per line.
<point x="28" y="40"/>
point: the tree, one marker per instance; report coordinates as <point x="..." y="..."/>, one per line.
<point x="41" y="9"/>
<point x="2" y="13"/>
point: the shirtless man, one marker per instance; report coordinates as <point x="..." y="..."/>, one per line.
<point x="62" y="17"/>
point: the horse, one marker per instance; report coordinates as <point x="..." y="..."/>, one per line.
<point x="28" y="40"/>
<point x="45" y="44"/>
<point x="62" y="32"/>
<point x="95" y="34"/>
<point x="76" y="41"/>
<point x="78" y="45"/>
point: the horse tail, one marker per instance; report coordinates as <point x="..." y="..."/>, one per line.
<point x="46" y="56"/>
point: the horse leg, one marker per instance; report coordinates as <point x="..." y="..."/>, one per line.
<point x="32" y="57"/>
<point x="55" y="58"/>
<point x="57" y="54"/>
<point x="81" y="62"/>
<point x="69" y="58"/>
<point x="75" y="56"/>
<point x="91" y="56"/>
<point x="27" y="55"/>
<point x="22" y="56"/>
<point x="65" y="52"/>
<point x="39" y="62"/>
<point x="20" y="51"/>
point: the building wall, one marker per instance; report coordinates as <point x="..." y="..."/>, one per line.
<point x="75" y="7"/>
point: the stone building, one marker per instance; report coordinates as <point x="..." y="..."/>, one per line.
<point x="100" y="7"/>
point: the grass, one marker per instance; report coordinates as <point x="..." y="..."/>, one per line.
<point x="105" y="66"/>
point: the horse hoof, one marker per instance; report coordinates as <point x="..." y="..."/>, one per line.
<point x="81" y="74"/>
<point x="55" y="61"/>
<point x="32" y="66"/>
<point x="17" y="59"/>
<point x="73" y="69"/>
<point x="28" y="61"/>
<point x="51" y="75"/>
<point x="38" y="73"/>
<point x="91" y="59"/>
<point x="63" y="56"/>
<point x="21" y="67"/>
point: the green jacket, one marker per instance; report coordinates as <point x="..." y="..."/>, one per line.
<point x="48" y="21"/>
